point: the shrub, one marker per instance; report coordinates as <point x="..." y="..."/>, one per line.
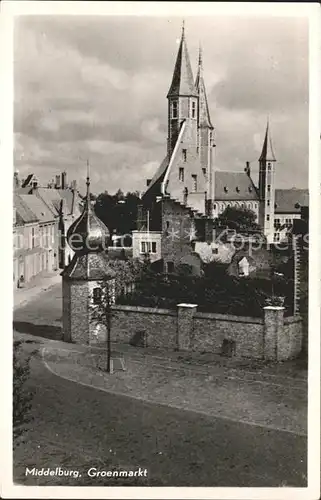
<point x="22" y="398"/>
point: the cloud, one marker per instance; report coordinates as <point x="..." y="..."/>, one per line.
<point x="95" y="87"/>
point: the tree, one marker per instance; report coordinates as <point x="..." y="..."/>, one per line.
<point x="240" y="219"/>
<point x="118" y="211"/>
<point x="22" y="397"/>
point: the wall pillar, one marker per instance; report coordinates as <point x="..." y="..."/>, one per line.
<point x="273" y="329"/>
<point x="185" y="326"/>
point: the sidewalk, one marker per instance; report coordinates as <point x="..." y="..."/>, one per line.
<point x="40" y="283"/>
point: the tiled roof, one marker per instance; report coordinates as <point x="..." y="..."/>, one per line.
<point x="234" y="186"/>
<point x="90" y="266"/>
<point x="23" y="212"/>
<point x="51" y="197"/>
<point x="287" y="199"/>
<point x="38" y="207"/>
<point x="156" y="181"/>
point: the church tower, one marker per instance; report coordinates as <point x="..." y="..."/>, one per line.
<point x="83" y="278"/>
<point x="267" y="162"/>
<point x="205" y="138"/>
<point x="182" y="98"/>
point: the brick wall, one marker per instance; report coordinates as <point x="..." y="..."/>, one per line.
<point x="273" y="338"/>
<point x="176" y="226"/>
<point x="160" y="325"/>
<point x="75" y="311"/>
<point x="290" y="343"/>
<point x="211" y="329"/>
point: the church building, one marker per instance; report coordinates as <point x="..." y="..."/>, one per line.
<point x="186" y="193"/>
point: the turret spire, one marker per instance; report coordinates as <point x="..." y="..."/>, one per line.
<point x="90" y="232"/>
<point x="204" y="114"/>
<point x="183" y="81"/>
<point x="267" y="150"/>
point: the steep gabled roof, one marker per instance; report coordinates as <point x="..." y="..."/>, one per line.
<point x="155" y="184"/>
<point x="234" y="186"/>
<point x="291" y="200"/>
<point x="23" y="213"/>
<point x="183" y="81"/>
<point x="38" y="207"/>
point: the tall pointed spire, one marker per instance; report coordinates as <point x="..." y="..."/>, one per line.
<point x="267" y="150"/>
<point x="204" y="113"/>
<point x="183" y="81"/>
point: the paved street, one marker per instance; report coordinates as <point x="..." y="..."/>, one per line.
<point x="205" y="425"/>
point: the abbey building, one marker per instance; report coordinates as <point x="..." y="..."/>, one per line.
<point x="187" y="193"/>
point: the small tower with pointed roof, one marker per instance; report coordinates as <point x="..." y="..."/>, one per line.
<point x="267" y="162"/>
<point x="182" y="98"/>
<point x="83" y="277"/>
<point x="205" y="133"/>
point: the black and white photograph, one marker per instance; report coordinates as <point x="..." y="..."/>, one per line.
<point x="163" y="183"/>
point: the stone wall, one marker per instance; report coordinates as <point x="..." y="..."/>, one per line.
<point x="210" y="330"/>
<point x="271" y="338"/>
<point x="159" y="325"/>
<point x="290" y="343"/>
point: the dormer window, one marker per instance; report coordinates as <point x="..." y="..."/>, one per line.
<point x="250" y="189"/>
<point x="237" y="189"/>
<point x="268" y="188"/>
<point x="225" y="189"/>
<point x="174" y="109"/>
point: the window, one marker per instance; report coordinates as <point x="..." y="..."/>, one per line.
<point x="170" y="267"/>
<point x="184" y="154"/>
<point x="268" y="203"/>
<point x="204" y="171"/>
<point x="193" y="109"/>
<point x="268" y="217"/>
<point x="268" y="188"/>
<point x="181" y="174"/>
<point x="97" y="295"/>
<point x="214" y="251"/>
<point x="148" y="247"/>
<point x="269" y="166"/>
<point x="255" y="206"/>
<point x="250" y="189"/>
<point x="174" y="109"/>
<point x="214" y="206"/>
<point x="194" y="177"/>
<point x="225" y="189"/>
<point x="243" y="267"/>
<point x="276" y="236"/>
<point x="33" y="237"/>
<point x="237" y="189"/>
<point x="197" y="149"/>
<point x="242" y="205"/>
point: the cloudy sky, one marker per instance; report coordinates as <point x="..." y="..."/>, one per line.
<point x="95" y="88"/>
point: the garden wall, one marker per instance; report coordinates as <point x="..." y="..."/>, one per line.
<point x="273" y="337"/>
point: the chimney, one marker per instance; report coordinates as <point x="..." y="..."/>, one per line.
<point x="16" y="179"/>
<point x="148" y="181"/>
<point x="58" y="182"/>
<point x="64" y="180"/>
<point x="248" y="168"/>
